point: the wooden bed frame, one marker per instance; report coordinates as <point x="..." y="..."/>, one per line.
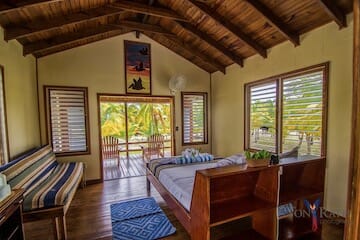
<point x="225" y="194"/>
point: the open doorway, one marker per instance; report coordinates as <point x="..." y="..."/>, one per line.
<point x="128" y="126"/>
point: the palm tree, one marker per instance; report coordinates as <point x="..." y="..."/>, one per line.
<point x="113" y="119"/>
<point x="144" y="119"/>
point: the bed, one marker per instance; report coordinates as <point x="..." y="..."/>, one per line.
<point x="202" y="195"/>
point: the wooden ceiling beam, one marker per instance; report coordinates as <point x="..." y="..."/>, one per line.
<point x="150" y="28"/>
<point x="138" y="26"/>
<point x="148" y="10"/>
<point x="8" y="5"/>
<point x="68" y="39"/>
<point x="91" y="39"/>
<point x="41" y="26"/>
<point x="168" y="43"/>
<point x="197" y="53"/>
<point x="213" y="43"/>
<point x="334" y="12"/>
<point x="274" y="21"/>
<point x="230" y="27"/>
<point x="202" y="56"/>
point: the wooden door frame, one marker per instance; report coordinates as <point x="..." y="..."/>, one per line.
<point x="352" y="227"/>
<point x="172" y="102"/>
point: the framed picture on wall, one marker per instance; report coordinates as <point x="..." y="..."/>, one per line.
<point x="137" y="67"/>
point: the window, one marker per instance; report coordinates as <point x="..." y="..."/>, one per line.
<point x="289" y="110"/>
<point x="68" y="119"/>
<point x="263" y="116"/>
<point x="3" y="129"/>
<point x="194" y="112"/>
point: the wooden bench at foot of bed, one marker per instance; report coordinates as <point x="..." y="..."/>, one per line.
<point x="224" y="194"/>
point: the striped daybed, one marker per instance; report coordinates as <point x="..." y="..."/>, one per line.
<point x="49" y="185"/>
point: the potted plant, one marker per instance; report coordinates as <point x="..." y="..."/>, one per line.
<point x="257" y="159"/>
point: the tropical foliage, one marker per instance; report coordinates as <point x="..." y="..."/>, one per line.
<point x="301" y="115"/>
<point x="144" y="119"/>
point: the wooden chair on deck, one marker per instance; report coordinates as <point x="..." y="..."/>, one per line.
<point x="155" y="147"/>
<point x="110" y="149"/>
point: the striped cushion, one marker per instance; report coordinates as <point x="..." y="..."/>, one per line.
<point x="203" y="157"/>
<point x="55" y="188"/>
<point x="20" y="174"/>
<point x="47" y="183"/>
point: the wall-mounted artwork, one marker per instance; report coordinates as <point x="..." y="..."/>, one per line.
<point x="137" y="67"/>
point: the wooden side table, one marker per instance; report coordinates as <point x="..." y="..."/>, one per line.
<point x="11" y="222"/>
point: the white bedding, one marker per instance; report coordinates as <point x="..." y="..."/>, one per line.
<point x="179" y="181"/>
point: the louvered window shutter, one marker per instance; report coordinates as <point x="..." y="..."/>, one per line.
<point x="68" y="120"/>
<point x="194" y="118"/>
<point x="302" y="113"/>
<point x="262" y="125"/>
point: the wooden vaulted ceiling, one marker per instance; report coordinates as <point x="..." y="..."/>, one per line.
<point x="212" y="34"/>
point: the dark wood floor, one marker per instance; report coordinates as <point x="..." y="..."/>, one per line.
<point x="89" y="213"/>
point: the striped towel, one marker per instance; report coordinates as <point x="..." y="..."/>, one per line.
<point x="202" y="157"/>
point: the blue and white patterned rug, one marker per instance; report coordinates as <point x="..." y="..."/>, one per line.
<point x="140" y="219"/>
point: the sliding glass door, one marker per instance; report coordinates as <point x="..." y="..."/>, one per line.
<point x="132" y="120"/>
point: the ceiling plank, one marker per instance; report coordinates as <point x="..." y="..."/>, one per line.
<point x="230" y="27"/>
<point x="213" y="43"/>
<point x="40" y="26"/>
<point x="274" y="20"/>
<point x="71" y="38"/>
<point x="148" y="10"/>
<point x="334" y="12"/>
<point x="180" y="51"/>
<point x="8" y="6"/>
<point x="138" y="26"/>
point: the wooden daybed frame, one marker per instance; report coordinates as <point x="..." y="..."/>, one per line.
<point x="225" y="194"/>
<point x="57" y="214"/>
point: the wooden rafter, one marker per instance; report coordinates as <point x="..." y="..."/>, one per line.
<point x="150" y="28"/>
<point x="180" y="51"/>
<point x="334" y="12"/>
<point x="148" y="10"/>
<point x="230" y="27"/>
<point x="8" y="6"/>
<point x="275" y="21"/>
<point x="197" y="53"/>
<point x="41" y="26"/>
<point x="68" y="39"/>
<point x="213" y="43"/>
<point x="138" y="26"/>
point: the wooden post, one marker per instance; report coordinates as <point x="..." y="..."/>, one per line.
<point x="61" y="228"/>
<point x="352" y="230"/>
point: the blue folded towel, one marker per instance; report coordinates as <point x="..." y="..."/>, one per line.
<point x="202" y="157"/>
